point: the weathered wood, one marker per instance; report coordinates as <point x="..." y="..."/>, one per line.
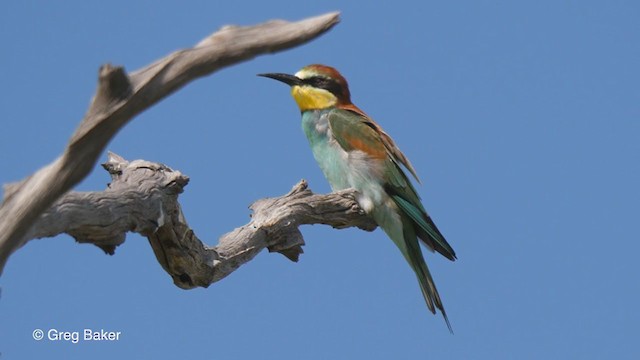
<point x="121" y="96"/>
<point x="143" y="198"/>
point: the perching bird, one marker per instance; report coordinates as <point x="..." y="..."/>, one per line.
<point x="354" y="152"/>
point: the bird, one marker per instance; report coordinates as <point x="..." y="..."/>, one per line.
<point x="353" y="151"/>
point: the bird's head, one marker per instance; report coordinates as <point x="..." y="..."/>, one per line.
<point x="316" y="87"/>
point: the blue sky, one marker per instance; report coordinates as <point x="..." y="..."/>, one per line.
<point x="522" y="119"/>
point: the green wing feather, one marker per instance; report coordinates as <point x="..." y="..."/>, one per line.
<point x="426" y="230"/>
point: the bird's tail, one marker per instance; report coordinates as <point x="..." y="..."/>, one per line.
<point x="416" y="261"/>
<point x="407" y="241"/>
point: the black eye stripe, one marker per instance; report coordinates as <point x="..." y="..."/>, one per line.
<point x="324" y="83"/>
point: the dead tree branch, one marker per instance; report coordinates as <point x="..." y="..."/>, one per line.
<point x="143" y="198"/>
<point x="121" y="96"/>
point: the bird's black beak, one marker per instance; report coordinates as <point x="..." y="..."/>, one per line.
<point x="285" y="78"/>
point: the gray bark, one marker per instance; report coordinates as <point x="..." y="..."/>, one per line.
<point x="120" y="96"/>
<point x="143" y="198"/>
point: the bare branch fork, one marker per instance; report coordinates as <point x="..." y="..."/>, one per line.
<point x="143" y="197"/>
<point x="121" y="96"/>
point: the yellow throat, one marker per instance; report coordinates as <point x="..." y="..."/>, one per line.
<point x="310" y="98"/>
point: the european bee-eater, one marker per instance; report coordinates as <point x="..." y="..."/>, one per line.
<point x="354" y="152"/>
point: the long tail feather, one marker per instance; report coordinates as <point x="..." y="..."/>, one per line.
<point x="401" y="229"/>
<point x="419" y="266"/>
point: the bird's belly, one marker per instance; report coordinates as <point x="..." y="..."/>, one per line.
<point x="343" y="170"/>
